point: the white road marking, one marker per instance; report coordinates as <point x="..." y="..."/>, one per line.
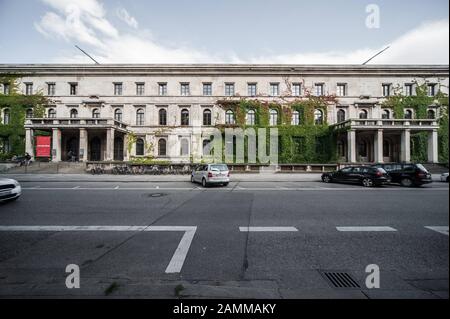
<point x="439" y="229"/>
<point x="178" y="257"/>
<point x="117" y="187"/>
<point x="366" y="228"/>
<point x="76" y="187"/>
<point x="267" y="229"/>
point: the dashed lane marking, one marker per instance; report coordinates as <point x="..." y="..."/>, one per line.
<point x="366" y="228"/>
<point x="267" y="229"/>
<point x="439" y="229"/>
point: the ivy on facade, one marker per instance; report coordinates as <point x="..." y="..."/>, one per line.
<point x="420" y="104"/>
<point x="305" y="142"/>
<point x="17" y="105"/>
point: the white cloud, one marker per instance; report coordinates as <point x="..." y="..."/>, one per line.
<point x="123" y="15"/>
<point x="85" y="21"/>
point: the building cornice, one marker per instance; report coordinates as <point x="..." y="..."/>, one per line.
<point x="223" y="70"/>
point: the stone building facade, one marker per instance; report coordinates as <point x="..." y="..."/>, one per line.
<point x="167" y="107"/>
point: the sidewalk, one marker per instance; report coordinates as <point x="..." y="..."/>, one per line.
<point x="254" y="177"/>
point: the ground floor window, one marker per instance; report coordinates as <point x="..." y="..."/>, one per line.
<point x="184" y="147"/>
<point x="139" y="147"/>
<point x="162" y="147"/>
<point x="4" y="145"/>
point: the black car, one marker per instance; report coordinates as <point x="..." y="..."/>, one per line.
<point x="366" y="175"/>
<point x="407" y="174"/>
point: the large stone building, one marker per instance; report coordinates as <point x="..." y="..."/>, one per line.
<point x="94" y="107"/>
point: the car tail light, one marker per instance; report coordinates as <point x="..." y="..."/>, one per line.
<point x="210" y="174"/>
<point x="420" y="174"/>
<point x="379" y="173"/>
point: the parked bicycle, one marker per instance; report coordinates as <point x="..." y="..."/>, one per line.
<point x="97" y="170"/>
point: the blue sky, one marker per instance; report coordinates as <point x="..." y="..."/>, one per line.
<point x="224" y="31"/>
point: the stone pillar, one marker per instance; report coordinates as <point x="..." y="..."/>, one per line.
<point x="56" y="145"/>
<point x="433" y="147"/>
<point x="109" y="144"/>
<point x="378" y="146"/>
<point x="83" y="151"/>
<point x="351" y="146"/>
<point x="29" y="142"/>
<point x="126" y="155"/>
<point x="405" y="146"/>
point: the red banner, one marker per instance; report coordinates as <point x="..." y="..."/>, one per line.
<point x="43" y="146"/>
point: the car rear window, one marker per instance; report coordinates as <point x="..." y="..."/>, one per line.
<point x="422" y="168"/>
<point x="381" y="170"/>
<point x="220" y="167"/>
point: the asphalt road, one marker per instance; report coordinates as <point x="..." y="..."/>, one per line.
<point x="195" y="243"/>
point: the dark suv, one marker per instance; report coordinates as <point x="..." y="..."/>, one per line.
<point x="407" y="174"/>
<point x="368" y="176"/>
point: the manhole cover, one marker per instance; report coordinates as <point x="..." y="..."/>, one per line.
<point x="339" y="279"/>
<point x="157" y="195"/>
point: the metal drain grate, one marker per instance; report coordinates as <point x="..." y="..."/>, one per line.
<point x="340" y="279"/>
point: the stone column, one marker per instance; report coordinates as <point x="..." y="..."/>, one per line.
<point x="29" y="142"/>
<point x="351" y="146"/>
<point x="378" y="146"/>
<point x="83" y="151"/>
<point x="56" y="145"/>
<point x="109" y="144"/>
<point x="405" y="146"/>
<point x="126" y="155"/>
<point x="433" y="147"/>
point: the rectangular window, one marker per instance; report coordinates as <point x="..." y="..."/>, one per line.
<point x="386" y="90"/>
<point x="50" y="89"/>
<point x="118" y="88"/>
<point x="318" y="89"/>
<point x="252" y="89"/>
<point x="140" y="88"/>
<point x="341" y="89"/>
<point x="229" y="89"/>
<point x="73" y="88"/>
<point x="408" y="89"/>
<point x="207" y="89"/>
<point x="296" y="89"/>
<point x="162" y="89"/>
<point x="431" y="89"/>
<point x="28" y="88"/>
<point x="185" y="91"/>
<point x="6" y="88"/>
<point x="274" y="89"/>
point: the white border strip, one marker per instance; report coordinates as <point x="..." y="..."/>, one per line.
<point x="439" y="229"/>
<point x="267" y="229"/>
<point x="178" y="257"/>
<point x="365" y="228"/>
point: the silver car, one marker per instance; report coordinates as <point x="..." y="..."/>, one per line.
<point x="208" y="174"/>
<point x="9" y="189"/>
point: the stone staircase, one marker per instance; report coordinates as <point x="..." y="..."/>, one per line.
<point x="49" y="168"/>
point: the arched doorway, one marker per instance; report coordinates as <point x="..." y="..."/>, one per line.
<point x="118" y="149"/>
<point x="95" y="149"/>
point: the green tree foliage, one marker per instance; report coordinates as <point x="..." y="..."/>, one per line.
<point x="17" y="104"/>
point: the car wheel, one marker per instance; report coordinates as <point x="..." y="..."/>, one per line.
<point x="326" y="179"/>
<point x="204" y="184"/>
<point x="367" y="182"/>
<point x="225" y="184"/>
<point x="406" y="182"/>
